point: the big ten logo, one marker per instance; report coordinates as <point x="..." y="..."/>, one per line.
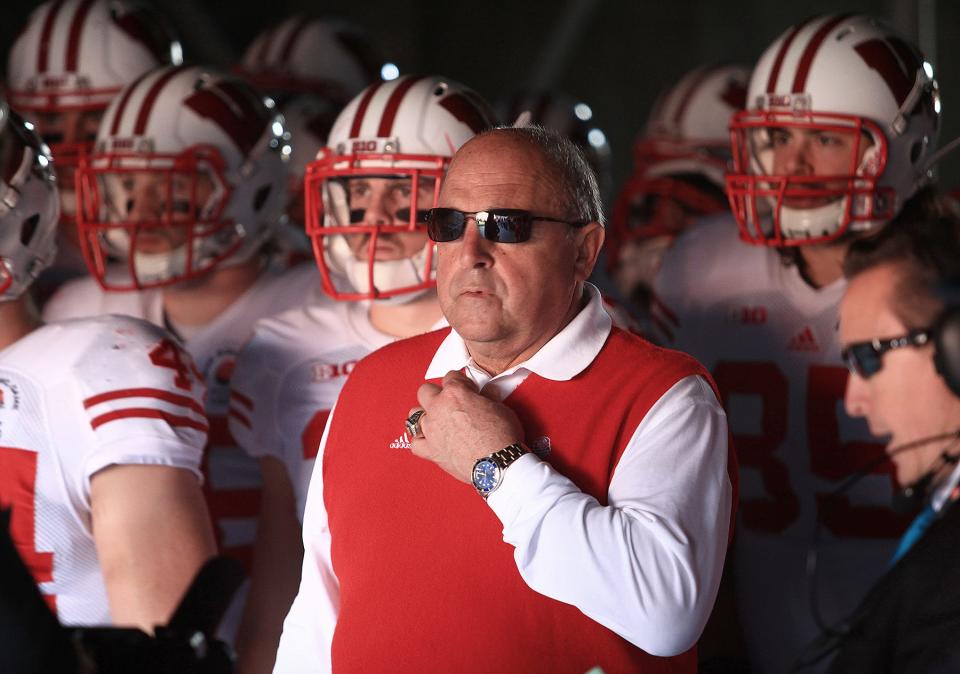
<point x="747" y="315"/>
<point x="325" y="371"/>
<point x="364" y="146"/>
<point x="217" y="374"/>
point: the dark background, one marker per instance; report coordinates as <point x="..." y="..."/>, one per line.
<point x="616" y="55"/>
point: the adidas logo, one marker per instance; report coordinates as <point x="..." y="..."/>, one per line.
<point x="804" y="341"/>
<point x="403" y="442"/>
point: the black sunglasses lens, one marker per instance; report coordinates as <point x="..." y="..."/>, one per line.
<point x="507" y="226"/>
<point x="445" y="224"/>
<point x="863" y="359"/>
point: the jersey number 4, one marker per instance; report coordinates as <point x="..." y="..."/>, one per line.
<point x="18" y="477"/>
<point x="167" y="354"/>
<point x="831" y="459"/>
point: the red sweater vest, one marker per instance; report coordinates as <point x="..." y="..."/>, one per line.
<point x="426" y="582"/>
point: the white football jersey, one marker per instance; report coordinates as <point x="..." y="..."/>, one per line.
<point x="232" y="485"/>
<point x="288" y="377"/>
<point x="771" y="342"/>
<point x="75" y="398"/>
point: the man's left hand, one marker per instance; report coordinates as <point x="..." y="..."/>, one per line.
<point x="461" y="425"/>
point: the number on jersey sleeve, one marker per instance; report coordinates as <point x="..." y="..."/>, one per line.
<point x="167" y="354"/>
<point x="18" y="477"/>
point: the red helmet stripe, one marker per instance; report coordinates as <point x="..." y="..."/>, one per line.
<point x="76" y="29"/>
<point x="264" y="50"/>
<point x="782" y="54"/>
<point x="697" y="80"/>
<point x="465" y="109"/>
<point x="302" y="23"/>
<point x="393" y="105"/>
<point x="362" y="109"/>
<point x="43" y="55"/>
<point x="146" y="107"/>
<point x="122" y="105"/>
<point x="803" y="69"/>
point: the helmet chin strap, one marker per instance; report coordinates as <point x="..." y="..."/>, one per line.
<point x="808" y="223"/>
<point x="150" y="267"/>
<point x="387" y="274"/>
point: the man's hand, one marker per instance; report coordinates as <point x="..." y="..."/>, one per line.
<point x="462" y="425"/>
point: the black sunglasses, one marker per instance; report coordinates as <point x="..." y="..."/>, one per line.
<point x="502" y="225"/>
<point x="866" y="358"/>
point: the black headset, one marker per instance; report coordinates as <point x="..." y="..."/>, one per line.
<point x="945" y="336"/>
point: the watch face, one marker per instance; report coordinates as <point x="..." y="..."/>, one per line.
<point x="485" y="475"/>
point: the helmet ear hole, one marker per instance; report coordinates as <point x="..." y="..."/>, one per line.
<point x="261" y="196"/>
<point x="29" y="228"/>
<point x="946" y="343"/>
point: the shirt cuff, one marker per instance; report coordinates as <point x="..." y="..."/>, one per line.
<point x="524" y="481"/>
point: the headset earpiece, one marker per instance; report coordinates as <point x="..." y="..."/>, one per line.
<point x="946" y="344"/>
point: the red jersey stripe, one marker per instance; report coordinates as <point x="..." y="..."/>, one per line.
<point x="782" y="54"/>
<point x="241" y="418"/>
<point x="242" y="399"/>
<point x="362" y="110"/>
<point x="76" y="29"/>
<point x="43" y="53"/>
<point x="803" y="69"/>
<point x="658" y="305"/>
<point x="393" y="105"/>
<point x="148" y="413"/>
<point x="157" y="393"/>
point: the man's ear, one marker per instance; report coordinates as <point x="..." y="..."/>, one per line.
<point x="589" y="239"/>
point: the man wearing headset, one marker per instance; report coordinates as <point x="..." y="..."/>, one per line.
<point x="902" y="351"/>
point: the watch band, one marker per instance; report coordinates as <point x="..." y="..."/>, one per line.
<point x="508" y="455"/>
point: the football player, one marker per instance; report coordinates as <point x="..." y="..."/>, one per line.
<point x="64" y="68"/>
<point x="367" y="194"/>
<point x="841" y="121"/>
<point x="679" y="165"/>
<point x="184" y="188"/>
<point x="101" y="430"/>
<point x="312" y="67"/>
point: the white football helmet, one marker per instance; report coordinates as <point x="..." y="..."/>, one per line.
<point x="76" y="55"/>
<point x="406" y="130"/>
<point x="326" y="57"/>
<point x="29" y="205"/>
<point x="682" y="155"/>
<point x="852" y="78"/>
<point x="188" y="174"/>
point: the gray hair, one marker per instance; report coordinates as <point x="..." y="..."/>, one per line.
<point x="579" y="193"/>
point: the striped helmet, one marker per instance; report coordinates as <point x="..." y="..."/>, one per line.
<point x="841" y="91"/>
<point x="29" y="205"/>
<point x="380" y="172"/>
<point x="680" y="160"/>
<point x="188" y="174"/>
<point x="326" y="57"/>
<point x="76" y="55"/>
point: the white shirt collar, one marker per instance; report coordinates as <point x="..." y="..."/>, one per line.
<point x="565" y="356"/>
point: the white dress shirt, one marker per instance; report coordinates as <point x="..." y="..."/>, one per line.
<point x="646" y="566"/>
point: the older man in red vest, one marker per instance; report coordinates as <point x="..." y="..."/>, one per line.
<point x="562" y="493"/>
